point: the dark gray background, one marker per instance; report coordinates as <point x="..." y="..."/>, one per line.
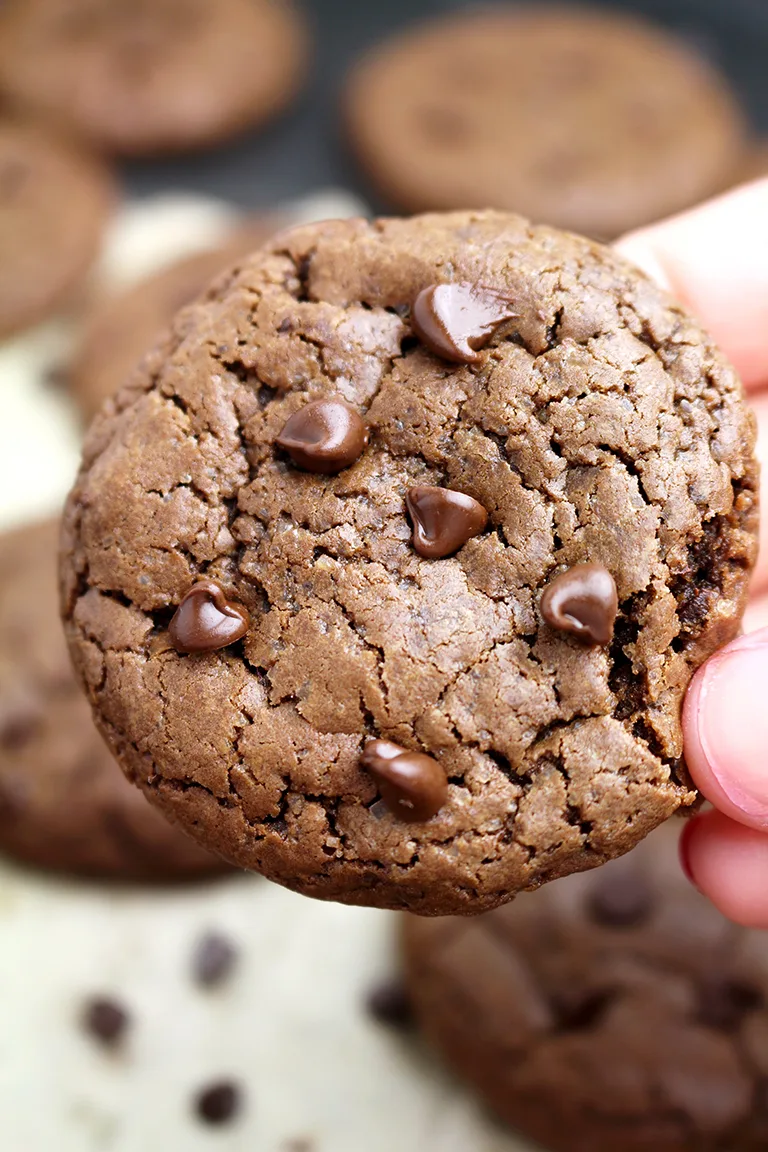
<point x="304" y="150"/>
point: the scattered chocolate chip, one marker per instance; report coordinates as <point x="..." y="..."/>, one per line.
<point x="456" y="320"/>
<point x="443" y="520"/>
<point x="219" y="1102"/>
<point x="413" y="786"/>
<point x="620" y="898"/>
<point x="324" y="436"/>
<point x="724" y="1002"/>
<point x="213" y="959"/>
<point x="106" y="1021"/>
<point x="205" y="620"/>
<point x="390" y="1004"/>
<point x="582" y="601"/>
<point x="583" y="1011"/>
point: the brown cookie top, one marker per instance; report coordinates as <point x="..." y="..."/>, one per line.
<point x="64" y="804"/>
<point x="617" y="1010"/>
<point x="592" y="121"/>
<point x="598" y="426"/>
<point x="54" y="203"/>
<point x="123" y="326"/>
<point x="152" y="76"/>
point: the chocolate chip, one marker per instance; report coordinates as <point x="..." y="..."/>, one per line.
<point x="724" y="1002"/>
<point x="206" y="621"/>
<point x="582" y="601"/>
<point x="620" y="899"/>
<point x="413" y="786"/>
<point x="582" y="1012"/>
<point x="390" y="1004"/>
<point x="106" y="1021"/>
<point x="324" y="436"/>
<point x="213" y="960"/>
<point x="443" y="520"/>
<point x="219" y="1102"/>
<point x="456" y="320"/>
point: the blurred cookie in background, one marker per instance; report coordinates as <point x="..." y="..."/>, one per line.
<point x="756" y="166"/>
<point x="54" y="203"/>
<point x="613" y="1010"/>
<point x="64" y="804"/>
<point x="123" y="326"/>
<point x="141" y="77"/>
<point x="592" y="121"/>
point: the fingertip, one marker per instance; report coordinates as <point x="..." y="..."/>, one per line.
<point x="729" y="864"/>
<point x="725" y="726"/>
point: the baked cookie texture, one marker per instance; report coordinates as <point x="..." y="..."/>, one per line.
<point x="55" y="201"/>
<point x="152" y="76"/>
<point x="599" y="425"/>
<point x="616" y="1010"/>
<point x="64" y="804"/>
<point x="122" y="326"/>
<point x="591" y="120"/>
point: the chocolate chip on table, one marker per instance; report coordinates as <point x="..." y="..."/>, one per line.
<point x="620" y="899"/>
<point x="324" y="436"/>
<point x="106" y="1020"/>
<point x="443" y="520"/>
<point x="413" y="786"/>
<point x="218" y="1103"/>
<point x="455" y="321"/>
<point x="206" y="621"/>
<point x="213" y="959"/>
<point x="582" y="601"/>
<point x="390" y="1004"/>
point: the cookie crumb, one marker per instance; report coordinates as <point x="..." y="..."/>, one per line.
<point x="219" y="1103"/>
<point x="213" y="960"/>
<point x="390" y="1004"/>
<point x="105" y="1020"/>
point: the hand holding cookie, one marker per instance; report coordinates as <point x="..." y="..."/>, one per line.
<point x="715" y="260"/>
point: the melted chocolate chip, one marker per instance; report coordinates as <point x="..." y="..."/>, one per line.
<point x="413" y="786"/>
<point x="218" y="1103"/>
<point x="443" y="520"/>
<point x="105" y="1020"/>
<point x="324" y="436"/>
<point x="620" y="899"/>
<point x="456" y="320"/>
<point x="213" y="960"/>
<point x="205" y="620"/>
<point x="390" y="1004"/>
<point x="582" y="601"/>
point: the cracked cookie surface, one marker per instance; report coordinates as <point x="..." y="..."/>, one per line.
<point x="599" y="425"/>
<point x="614" y="1010"/>
<point x="64" y="804"/>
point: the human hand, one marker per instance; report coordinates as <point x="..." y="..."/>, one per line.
<point x="715" y="259"/>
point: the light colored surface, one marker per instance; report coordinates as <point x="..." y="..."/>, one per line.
<point x="290" y="1025"/>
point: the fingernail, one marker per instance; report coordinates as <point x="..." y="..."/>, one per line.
<point x="731" y="703"/>
<point x="684" y="849"/>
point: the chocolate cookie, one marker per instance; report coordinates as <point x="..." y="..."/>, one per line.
<point x="611" y="1012"/>
<point x="387" y="572"/>
<point x="54" y="202"/>
<point x="63" y="801"/>
<point x="591" y="121"/>
<point x="148" y="76"/>
<point x="756" y="167"/>
<point x="122" y="327"/>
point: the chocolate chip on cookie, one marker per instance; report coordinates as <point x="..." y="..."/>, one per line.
<point x="64" y="803"/>
<point x="591" y="120"/>
<point x="152" y="76"/>
<point x="412" y="730"/>
<point x="613" y="1010"/>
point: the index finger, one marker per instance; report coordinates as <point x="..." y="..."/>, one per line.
<point x="715" y="260"/>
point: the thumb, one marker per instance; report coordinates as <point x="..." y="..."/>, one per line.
<point x="725" y="723"/>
